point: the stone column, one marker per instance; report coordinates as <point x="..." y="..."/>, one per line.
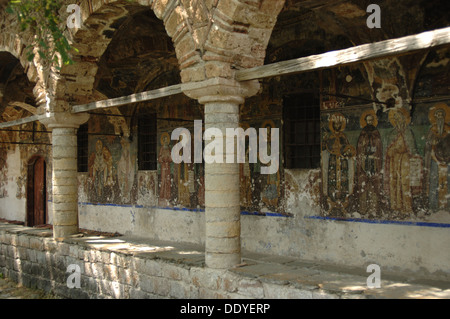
<point x="221" y="99"/>
<point x="64" y="171"/>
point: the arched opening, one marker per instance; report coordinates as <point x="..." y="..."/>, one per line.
<point x="16" y="90"/>
<point x="139" y="57"/>
<point x="36" y="192"/>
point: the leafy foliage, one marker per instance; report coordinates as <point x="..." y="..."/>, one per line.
<point x="41" y="17"/>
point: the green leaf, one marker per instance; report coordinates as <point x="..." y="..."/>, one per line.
<point x="42" y="55"/>
<point x="41" y="17"/>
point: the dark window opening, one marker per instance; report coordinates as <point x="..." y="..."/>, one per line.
<point x="147" y="142"/>
<point x="82" y="147"/>
<point x="301" y="117"/>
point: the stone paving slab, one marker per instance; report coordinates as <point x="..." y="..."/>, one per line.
<point x="259" y="270"/>
<point x="296" y="277"/>
<point x="393" y="290"/>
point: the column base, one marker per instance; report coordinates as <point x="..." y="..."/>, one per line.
<point x="222" y="261"/>
<point x="64" y="231"/>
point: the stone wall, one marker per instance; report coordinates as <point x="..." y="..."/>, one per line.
<point x="121" y="267"/>
<point x="113" y="268"/>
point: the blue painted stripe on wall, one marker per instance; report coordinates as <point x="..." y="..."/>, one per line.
<point x="355" y="220"/>
<point x="377" y="221"/>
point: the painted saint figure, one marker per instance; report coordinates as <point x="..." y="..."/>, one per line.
<point x="245" y="177"/>
<point x="271" y="192"/>
<point x="185" y="178"/>
<point x="437" y="157"/>
<point x="98" y="168"/>
<point x="401" y="153"/>
<point x="369" y="165"/>
<point x="126" y="170"/>
<point x="340" y="164"/>
<point x="165" y="158"/>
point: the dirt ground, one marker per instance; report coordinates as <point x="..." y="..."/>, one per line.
<point x="11" y="290"/>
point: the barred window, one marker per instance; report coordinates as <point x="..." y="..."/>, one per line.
<point x="147" y="142"/>
<point x="82" y="148"/>
<point x="301" y="117"/>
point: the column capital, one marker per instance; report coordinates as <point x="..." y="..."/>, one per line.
<point x="65" y="120"/>
<point x="220" y="90"/>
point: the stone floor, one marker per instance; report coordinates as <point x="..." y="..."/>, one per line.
<point x="345" y="282"/>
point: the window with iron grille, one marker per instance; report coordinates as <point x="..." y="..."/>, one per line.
<point x="82" y="148"/>
<point x="147" y="142"/>
<point x="301" y="117"/>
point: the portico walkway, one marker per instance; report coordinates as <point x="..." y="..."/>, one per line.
<point x="129" y="267"/>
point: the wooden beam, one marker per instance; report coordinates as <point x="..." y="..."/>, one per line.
<point x="23" y="120"/>
<point x="356" y="54"/>
<point x="129" y="99"/>
<point x="330" y="59"/>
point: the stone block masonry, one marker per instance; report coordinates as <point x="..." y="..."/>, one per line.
<point x="133" y="268"/>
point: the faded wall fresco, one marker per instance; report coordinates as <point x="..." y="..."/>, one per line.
<point x="180" y="185"/>
<point x="3" y="172"/>
<point x="389" y="160"/>
<point x="384" y="146"/>
<point x="261" y="193"/>
<point x="26" y="135"/>
<point x="146" y="194"/>
<point x="112" y="175"/>
<point x="385" y="169"/>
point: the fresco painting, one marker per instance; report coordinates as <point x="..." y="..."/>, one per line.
<point x="401" y="159"/>
<point x="147" y="181"/>
<point x="378" y="170"/>
<point x="165" y="160"/>
<point x="3" y="172"/>
<point x="112" y="172"/>
<point x="339" y="156"/>
<point x="261" y="193"/>
<point x="382" y="156"/>
<point x="271" y="192"/>
<point x="180" y="185"/>
<point x="437" y="158"/>
<point x="386" y="155"/>
<point x="369" y="165"/>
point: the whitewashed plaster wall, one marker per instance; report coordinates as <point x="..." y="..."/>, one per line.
<point x="11" y="207"/>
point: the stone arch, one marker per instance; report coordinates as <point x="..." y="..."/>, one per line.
<point x="15" y="42"/>
<point x="215" y="38"/>
<point x="14" y="46"/>
<point x="211" y="39"/>
<point x="16" y="89"/>
<point x="100" y="20"/>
